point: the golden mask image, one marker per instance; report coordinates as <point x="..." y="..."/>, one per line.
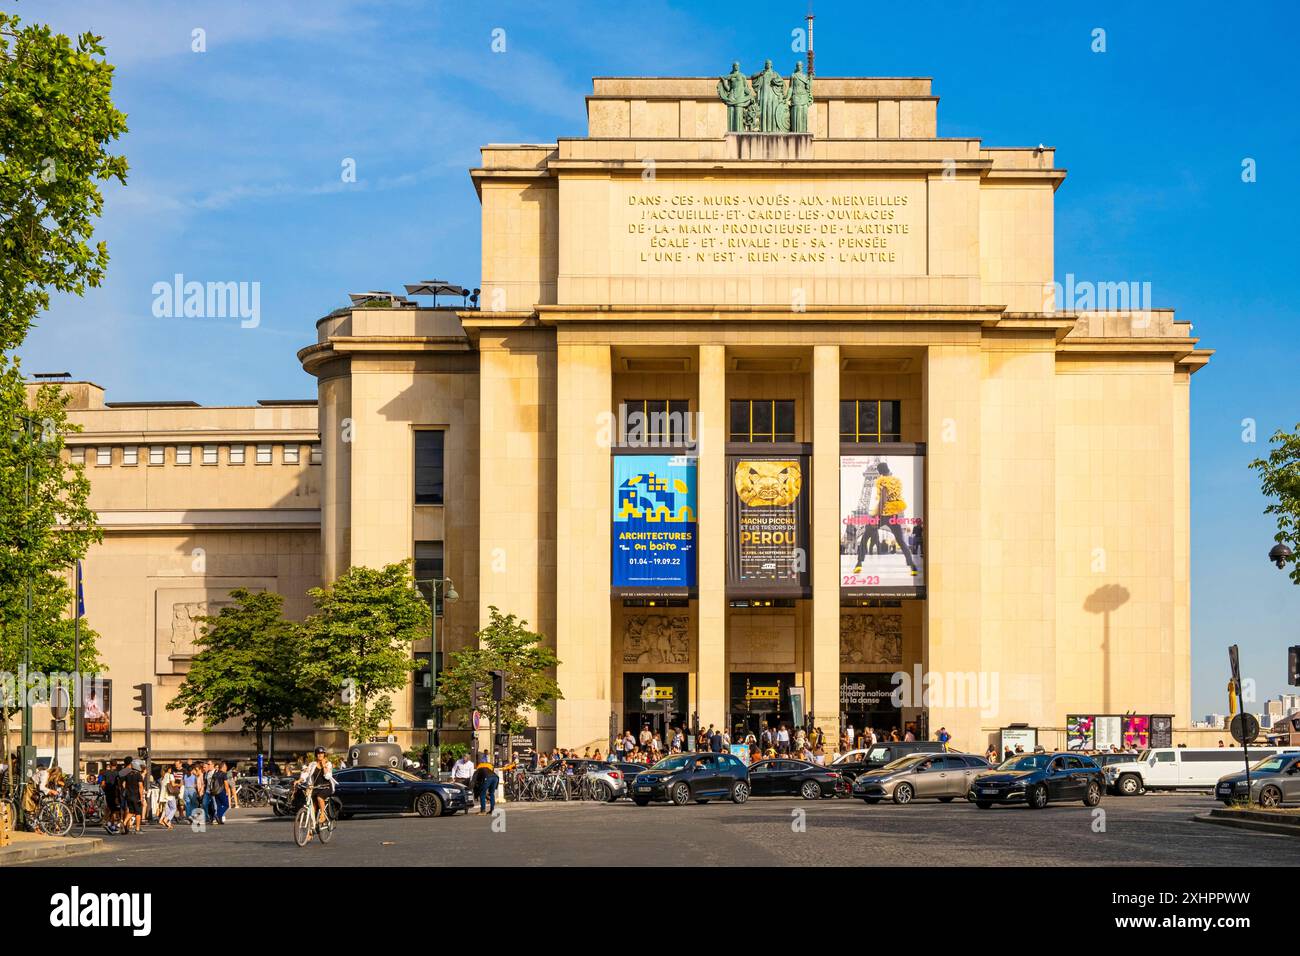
<point x="768" y="483"/>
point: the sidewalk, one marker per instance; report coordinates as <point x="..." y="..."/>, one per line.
<point x="34" y="847"/>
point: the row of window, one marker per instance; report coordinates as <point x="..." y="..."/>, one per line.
<point x="667" y="421"/>
<point x="263" y="454"/>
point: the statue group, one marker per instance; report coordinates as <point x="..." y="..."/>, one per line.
<point x="766" y="102"/>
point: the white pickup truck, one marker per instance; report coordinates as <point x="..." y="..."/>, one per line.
<point x="1177" y="768"/>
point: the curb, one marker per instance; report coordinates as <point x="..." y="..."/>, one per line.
<point x="50" y="850"/>
<point x="1247" y="823"/>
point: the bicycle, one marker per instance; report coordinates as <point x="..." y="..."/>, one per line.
<point x="54" y="817"/>
<point x="308" y="821"/>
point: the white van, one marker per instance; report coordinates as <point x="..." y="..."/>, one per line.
<point x="1174" y="768"/>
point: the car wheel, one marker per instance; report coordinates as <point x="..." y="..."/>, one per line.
<point x="1270" y="797"/>
<point x="1037" y="797"/>
<point x="641" y="801"/>
<point x="681" y="794"/>
<point x="1129" y="784"/>
<point x="811" y="790"/>
<point x="1093" y="796"/>
<point x="983" y="804"/>
<point x="428" y="805"/>
<point x="871" y="800"/>
<point x="740" y="791"/>
<point x="903" y="793"/>
<point x="602" y="792"/>
<point x="945" y="799"/>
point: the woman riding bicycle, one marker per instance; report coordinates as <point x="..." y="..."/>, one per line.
<point x="317" y="780"/>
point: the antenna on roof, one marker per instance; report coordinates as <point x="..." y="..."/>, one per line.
<point x="809" y="18"/>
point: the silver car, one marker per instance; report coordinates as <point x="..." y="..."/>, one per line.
<point x="1274" y="781"/>
<point x="942" y="777"/>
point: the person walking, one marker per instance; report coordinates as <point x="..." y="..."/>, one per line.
<point x="221" y="791"/>
<point x="132" y="784"/>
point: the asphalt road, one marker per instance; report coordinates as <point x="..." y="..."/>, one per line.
<point x="1138" y="831"/>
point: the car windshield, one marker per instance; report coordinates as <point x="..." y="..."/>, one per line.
<point x="1143" y="756"/>
<point x="852" y="756"/>
<point x="1272" y="764"/>
<point x="674" y="763"/>
<point x="1025" y="762"/>
<point x="878" y="755"/>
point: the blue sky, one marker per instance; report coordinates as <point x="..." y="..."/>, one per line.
<point x="236" y="156"/>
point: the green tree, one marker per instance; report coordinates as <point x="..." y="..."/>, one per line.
<point x="1280" y="481"/>
<point x="46" y="526"/>
<point x="56" y="121"/>
<point x="359" y="642"/>
<point x="253" y="668"/>
<point x="507" y="645"/>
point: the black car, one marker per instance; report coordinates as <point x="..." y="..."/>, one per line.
<point x="877" y="755"/>
<point x="701" y="777"/>
<point x="1038" y="779"/>
<point x="375" y="790"/>
<point x="795" y="778"/>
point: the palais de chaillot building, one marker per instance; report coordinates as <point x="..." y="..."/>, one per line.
<point x="768" y="411"/>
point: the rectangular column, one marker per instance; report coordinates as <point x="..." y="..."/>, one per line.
<point x="952" y="533"/>
<point x="825" y="692"/>
<point x="711" y="665"/>
<point x="582" y="547"/>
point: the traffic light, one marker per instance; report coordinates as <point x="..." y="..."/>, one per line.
<point x="474" y="690"/>
<point x="1293" y="665"/>
<point x="144" y="699"/>
<point x="498" y="685"/>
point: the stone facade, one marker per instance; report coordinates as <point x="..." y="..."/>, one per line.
<point x="659" y="258"/>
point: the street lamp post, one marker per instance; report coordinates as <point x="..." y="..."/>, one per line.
<point x="434" y="745"/>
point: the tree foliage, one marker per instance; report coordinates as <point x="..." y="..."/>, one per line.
<point x="1280" y="481"/>
<point x="252" y="668"/>
<point x="46" y="526"/>
<point x="56" y="121"/>
<point x="359" y="642"/>
<point x="505" y="644"/>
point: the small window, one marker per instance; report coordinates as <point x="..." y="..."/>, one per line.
<point x="183" y="453"/>
<point x="315" y="454"/>
<point x="655" y="422"/>
<point x="209" y="454"/>
<point x="104" y="456"/>
<point x="428" y="466"/>
<point x="428" y="568"/>
<point x="263" y="454"/>
<point x="157" y="454"/>
<point x="236" y="454"/>
<point x="291" y="454"/>
<point x="78" y="454"/>
<point x="130" y="455"/>
<point x="1165" y="756"/>
<point x="871" y="421"/>
<point x="762" y="420"/>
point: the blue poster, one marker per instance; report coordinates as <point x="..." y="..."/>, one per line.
<point x="654" y="521"/>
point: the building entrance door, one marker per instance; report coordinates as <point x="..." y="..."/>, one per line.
<point x="759" y="701"/>
<point x="658" y="700"/>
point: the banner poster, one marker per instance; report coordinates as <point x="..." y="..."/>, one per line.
<point x="882" y="525"/>
<point x="1025" y="738"/>
<point x="1137" y="732"/>
<point x="767" y="524"/>
<point x="654" y="523"/>
<point x="96" y="711"/>
<point x="1107" y="733"/>
<point x="1078" y="732"/>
